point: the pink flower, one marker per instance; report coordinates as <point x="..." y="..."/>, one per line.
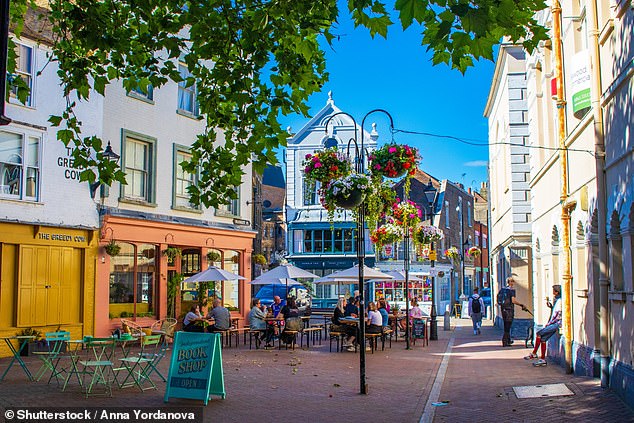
<point x="392" y="150"/>
<point x="377" y="167"/>
<point x="308" y="156"/>
<point x="317" y="165"/>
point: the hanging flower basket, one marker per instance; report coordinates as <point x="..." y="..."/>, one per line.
<point x="326" y="166"/>
<point x="406" y="213"/>
<point x="427" y="234"/>
<point x="379" y="203"/>
<point x="172" y="252"/>
<point x="235" y="259"/>
<point x="345" y="193"/>
<point x="474" y="252"/>
<point x="213" y="256"/>
<point x="452" y="254"/>
<point x="394" y="161"/>
<point x="259" y="259"/>
<point x="387" y="233"/>
<point x="112" y="248"/>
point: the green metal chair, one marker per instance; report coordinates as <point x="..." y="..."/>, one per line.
<point x="99" y="366"/>
<point x="140" y="368"/>
<point x="55" y="347"/>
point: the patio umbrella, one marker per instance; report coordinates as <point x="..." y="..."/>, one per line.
<point x="274" y="282"/>
<point x="284" y="272"/>
<point x="353" y="273"/>
<point x="399" y="276"/>
<point x="213" y="274"/>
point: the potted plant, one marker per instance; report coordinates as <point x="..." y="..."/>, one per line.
<point x="172" y="252"/>
<point x="386" y="234"/>
<point x="394" y="161"/>
<point x="424" y="235"/>
<point x="235" y="259"/>
<point x="474" y="251"/>
<point x="259" y="259"/>
<point x="112" y="248"/>
<point x="27" y="332"/>
<point x="213" y="256"/>
<point x="347" y="192"/>
<point x="325" y="166"/>
<point x="406" y="213"/>
<point x="379" y="202"/>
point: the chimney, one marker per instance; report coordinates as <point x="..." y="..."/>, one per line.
<point x="469" y="191"/>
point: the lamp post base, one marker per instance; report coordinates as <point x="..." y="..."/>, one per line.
<point x="433" y="324"/>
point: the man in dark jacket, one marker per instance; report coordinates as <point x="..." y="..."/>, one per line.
<point x="507" y="301"/>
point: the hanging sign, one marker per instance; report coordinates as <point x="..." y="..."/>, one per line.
<point x="580" y="84"/>
<point x="196" y="367"/>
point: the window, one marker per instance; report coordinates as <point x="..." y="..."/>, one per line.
<point x="182" y="179"/>
<point x="231" y="209"/>
<point x="327" y="241"/>
<point x="446" y="214"/>
<point x="469" y="220"/>
<point x="19" y="166"/>
<point x="187" y="92"/>
<point x="139" y="165"/>
<point x="133" y="281"/>
<point x="24" y="71"/>
<point x="138" y="93"/>
<point x="310" y="192"/>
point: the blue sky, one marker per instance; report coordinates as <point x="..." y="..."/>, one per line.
<point x="397" y="75"/>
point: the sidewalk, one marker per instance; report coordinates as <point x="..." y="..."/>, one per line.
<point x="481" y="375"/>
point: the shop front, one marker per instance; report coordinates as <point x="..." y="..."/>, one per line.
<point x="142" y="264"/>
<point x="47" y="279"/>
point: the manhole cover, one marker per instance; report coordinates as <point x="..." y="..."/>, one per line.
<point x="539" y="391"/>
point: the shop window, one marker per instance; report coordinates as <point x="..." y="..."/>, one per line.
<point x="229" y="296"/>
<point x="24" y="69"/>
<point x="182" y="180"/>
<point x="187" y="101"/>
<point x="133" y="282"/>
<point x="19" y="166"/>
<point x="139" y="163"/>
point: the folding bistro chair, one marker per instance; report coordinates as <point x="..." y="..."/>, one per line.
<point x="139" y="368"/>
<point x="55" y="345"/>
<point x="99" y="366"/>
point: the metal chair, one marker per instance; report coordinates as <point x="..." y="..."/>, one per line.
<point x="141" y="367"/>
<point x="99" y="367"/>
<point x="164" y="327"/>
<point x="55" y="346"/>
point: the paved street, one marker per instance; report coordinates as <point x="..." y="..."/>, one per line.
<point x="476" y="378"/>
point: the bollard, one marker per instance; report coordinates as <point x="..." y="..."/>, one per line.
<point x="447" y="321"/>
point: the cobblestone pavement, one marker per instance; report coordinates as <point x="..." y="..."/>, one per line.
<point x="319" y="386"/>
<point x="481" y="375"/>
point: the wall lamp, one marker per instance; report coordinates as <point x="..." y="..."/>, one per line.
<point x="109" y="155"/>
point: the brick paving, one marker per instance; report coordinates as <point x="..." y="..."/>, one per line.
<point x="480" y="379"/>
<point x="316" y="385"/>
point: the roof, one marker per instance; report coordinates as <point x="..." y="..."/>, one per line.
<point x="273" y="176"/>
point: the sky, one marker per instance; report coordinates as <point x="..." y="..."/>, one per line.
<point x="397" y="75"/>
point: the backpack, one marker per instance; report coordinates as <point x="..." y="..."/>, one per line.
<point x="476" y="306"/>
<point x="504" y="298"/>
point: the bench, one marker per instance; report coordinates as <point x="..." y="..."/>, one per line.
<point x="313" y="332"/>
<point x="373" y="339"/>
<point x="293" y="334"/>
<point x="339" y="337"/>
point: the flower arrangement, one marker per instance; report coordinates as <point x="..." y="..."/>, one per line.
<point x="394" y="161"/>
<point x="346" y="193"/>
<point x="213" y="256"/>
<point x="172" y="252"/>
<point x="427" y="235"/>
<point x="452" y="254"/>
<point x="379" y="203"/>
<point x="406" y="213"/>
<point x="327" y="165"/>
<point x="474" y="251"/>
<point x="259" y="259"/>
<point x="386" y="234"/>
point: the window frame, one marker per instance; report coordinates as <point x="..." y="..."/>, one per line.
<point x="178" y="148"/>
<point x="26" y="135"/>
<point x="13" y="99"/>
<point x="150" y="197"/>
<point x="310" y="189"/>
<point x="232" y="209"/>
<point x="182" y="87"/>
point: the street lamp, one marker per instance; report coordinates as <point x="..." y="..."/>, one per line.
<point x="462" y="244"/>
<point x="109" y="155"/>
<point x="431" y="195"/>
<point x="360" y="168"/>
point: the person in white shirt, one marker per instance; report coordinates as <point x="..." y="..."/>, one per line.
<point x="374" y="320"/>
<point x="552" y="327"/>
<point x="476" y="307"/>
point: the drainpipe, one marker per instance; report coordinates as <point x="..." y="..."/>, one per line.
<point x="600" y="287"/>
<point x="566" y="207"/>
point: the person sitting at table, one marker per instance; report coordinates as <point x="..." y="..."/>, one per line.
<point x="277" y="305"/>
<point x="352" y="308"/>
<point x="415" y="312"/>
<point x="374" y="321"/>
<point x="384" y="313"/>
<point x="337" y="326"/>
<point x="221" y="317"/>
<point x="292" y="322"/>
<point x="193" y="321"/>
<point x="257" y="322"/>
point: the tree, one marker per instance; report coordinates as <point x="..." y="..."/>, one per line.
<point x="250" y="61"/>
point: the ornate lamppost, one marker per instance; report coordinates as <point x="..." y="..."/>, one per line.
<point x="433" y="329"/>
<point x="360" y="152"/>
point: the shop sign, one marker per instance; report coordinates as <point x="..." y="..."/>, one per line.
<point x="580" y="83"/>
<point x="68" y="164"/>
<point x="60" y="237"/>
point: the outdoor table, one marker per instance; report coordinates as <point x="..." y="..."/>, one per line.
<point x="305" y="321"/>
<point x="16" y="354"/>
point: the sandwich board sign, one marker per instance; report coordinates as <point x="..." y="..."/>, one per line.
<point x="196" y="367"/>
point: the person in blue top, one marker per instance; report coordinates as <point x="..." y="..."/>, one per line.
<point x="384" y="313"/>
<point x="352" y="308"/>
<point x="277" y="305"/>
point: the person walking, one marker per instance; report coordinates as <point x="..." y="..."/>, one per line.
<point x="507" y="301"/>
<point x="476" y="306"/>
<point x="544" y="334"/>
